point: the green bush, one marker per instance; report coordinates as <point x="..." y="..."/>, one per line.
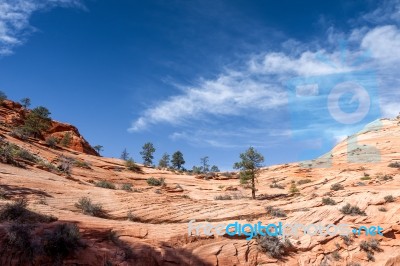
<point x="352" y="210"/>
<point x="273" y="246"/>
<point x="61" y="242"/>
<point x="372" y="244"/>
<point x="275" y="212"/>
<point x="386" y="178"/>
<point x="26" y="155"/>
<point x="105" y="184"/>
<point x="7" y="153"/>
<point x="394" y="164"/>
<point x="66" y="164"/>
<point x="48" y="166"/>
<point x="82" y="164"/>
<point x="389" y="198"/>
<point x="127" y="187"/>
<point x="18" y="240"/>
<point x="132" y="217"/>
<point x="293" y="189"/>
<point x="19" y="133"/>
<point x="328" y="201"/>
<point x="85" y="204"/>
<point x="223" y="197"/>
<point x="335" y="255"/>
<point x="18" y="212"/>
<point x="304" y="181"/>
<point x="52" y="142"/>
<point x="66" y="140"/>
<point x="132" y="166"/>
<point x="337" y="186"/>
<point x="155" y="181"/>
<point x="37" y="121"/>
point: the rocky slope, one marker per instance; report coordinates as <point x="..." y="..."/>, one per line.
<point x="148" y="225"/>
<point x="12" y="114"/>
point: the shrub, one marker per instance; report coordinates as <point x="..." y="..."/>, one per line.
<point x="227" y="174"/>
<point x="365" y="178"/>
<point x="82" y="164"/>
<point x="370" y="256"/>
<point x="7" y="153"/>
<point x="66" y="140"/>
<point x="293" y="189"/>
<point x="26" y="102"/>
<point x="382" y="209"/>
<point x="3" y="194"/>
<point x="304" y="181"/>
<point x="132" y="217"/>
<point x="19" y="133"/>
<point x="328" y="201"/>
<point x="347" y="240"/>
<point x="223" y="197"/>
<point x="26" y="155"/>
<point x="276" y="185"/>
<point x="66" y="164"/>
<point x="19" y="241"/>
<point x="49" y="166"/>
<point x="89" y="208"/>
<point x="155" y="181"/>
<point x="386" y="178"/>
<point x="132" y="166"/>
<point x="275" y="212"/>
<point x="394" y="164"/>
<point x="352" y="210"/>
<point x="335" y="255"/>
<point x="37" y="121"/>
<point x="17" y="211"/>
<point x="337" y="186"/>
<point x="273" y="246"/>
<point x="127" y="187"/>
<point x="353" y="264"/>
<point x="389" y="198"/>
<point x="51" y="142"/>
<point x="105" y="184"/>
<point x="62" y="241"/>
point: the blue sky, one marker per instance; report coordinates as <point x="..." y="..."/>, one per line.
<point x="205" y="77"/>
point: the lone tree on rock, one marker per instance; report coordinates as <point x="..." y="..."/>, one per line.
<point x="249" y="166"/>
<point x="164" y="161"/>
<point x="125" y="155"/>
<point x="98" y="148"/>
<point x="147" y="153"/>
<point x="205" y="167"/>
<point x="26" y="102"/>
<point x="37" y="121"/>
<point x="177" y="160"/>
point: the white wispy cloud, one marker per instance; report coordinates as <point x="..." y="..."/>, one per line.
<point x="14" y="19"/>
<point x="229" y="94"/>
<point x="260" y="86"/>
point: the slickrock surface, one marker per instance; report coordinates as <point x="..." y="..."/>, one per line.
<point x="158" y="234"/>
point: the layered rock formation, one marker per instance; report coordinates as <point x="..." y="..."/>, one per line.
<point x="148" y="225"/>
